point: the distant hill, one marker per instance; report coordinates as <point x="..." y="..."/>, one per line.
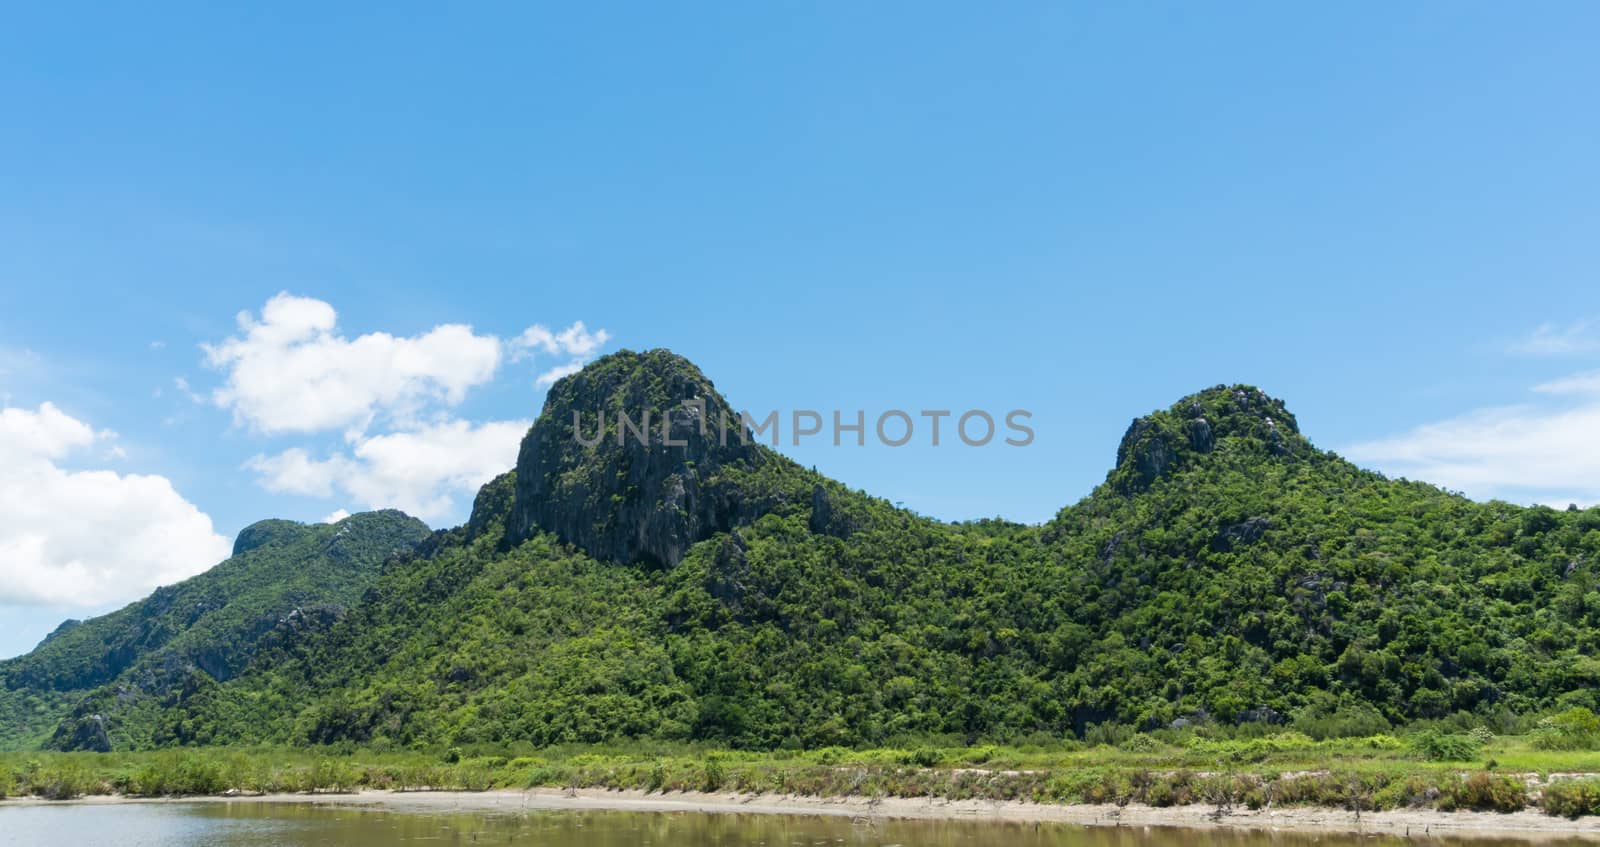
<point x="1227" y="570"/>
<point x="80" y="684"/>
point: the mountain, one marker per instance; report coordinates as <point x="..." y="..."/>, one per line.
<point x="1226" y="570"/>
<point x="80" y="686"/>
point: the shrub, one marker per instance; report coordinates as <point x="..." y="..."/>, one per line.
<point x="1413" y="792"/>
<point x="1176" y="789"/>
<point x="331" y="775"/>
<point x="548" y="775"/>
<point x="1256" y="749"/>
<point x="1484" y="792"/>
<point x="1572" y="798"/>
<point x="1322" y="720"/>
<point x="980" y="755"/>
<point x="713" y="775"/>
<point x="831" y="755"/>
<point x="1228" y="789"/>
<point x="148" y="781"/>
<point x="1437" y="746"/>
<point x="473" y="778"/>
<point x="63" y="782"/>
<point x="1575" y="729"/>
<point x="1384" y="741"/>
<point x="1141" y="743"/>
<point x="1107" y="734"/>
<point x="198" y="775"/>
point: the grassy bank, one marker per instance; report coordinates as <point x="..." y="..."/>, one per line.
<point x="1428" y="770"/>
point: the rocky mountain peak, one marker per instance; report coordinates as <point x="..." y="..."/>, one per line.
<point x="1242" y="415"/>
<point x="628" y="460"/>
<point x="270" y="531"/>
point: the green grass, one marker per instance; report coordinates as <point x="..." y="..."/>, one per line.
<point x="1286" y="769"/>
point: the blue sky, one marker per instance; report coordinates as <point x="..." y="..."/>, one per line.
<point x="1385" y="214"/>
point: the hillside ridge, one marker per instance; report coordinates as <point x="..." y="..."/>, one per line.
<point x="281" y="574"/>
<point x="1226" y="570"/>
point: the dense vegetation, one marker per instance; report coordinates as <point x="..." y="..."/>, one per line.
<point x="1164" y="768"/>
<point x="283" y="577"/>
<point x="1228" y="576"/>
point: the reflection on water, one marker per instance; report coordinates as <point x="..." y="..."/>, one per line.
<point x="305" y="824"/>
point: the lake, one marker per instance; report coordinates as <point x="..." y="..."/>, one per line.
<point x="247" y="824"/>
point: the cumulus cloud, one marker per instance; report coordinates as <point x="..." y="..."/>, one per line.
<point x="88" y="537"/>
<point x="1522" y="453"/>
<point x="575" y="340"/>
<point x="290" y="370"/>
<point x="335" y="516"/>
<point x="420" y="471"/>
<point x="48" y="433"/>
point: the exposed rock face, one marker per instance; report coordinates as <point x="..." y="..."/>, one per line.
<point x="622" y="500"/>
<point x="86" y="733"/>
<point x="834" y="512"/>
<point x="1240" y="534"/>
<point x="1261" y="714"/>
<point x="494" y="502"/>
<point x="728" y="578"/>
<point x="1159" y="443"/>
<point x="1145" y="449"/>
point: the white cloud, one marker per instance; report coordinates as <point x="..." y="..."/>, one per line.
<point x="1523" y="453"/>
<point x="92" y="537"/>
<point x="294" y="471"/>
<point x="290" y="371"/>
<point x="48" y="433"/>
<point x="182" y="384"/>
<point x="335" y="516"/>
<point x="575" y="340"/>
<point x="1581" y="336"/>
<point x="1584" y="383"/>
<point x="549" y="377"/>
<point x="421" y="471"/>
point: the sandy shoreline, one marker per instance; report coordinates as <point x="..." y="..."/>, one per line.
<point x="1529" y="824"/>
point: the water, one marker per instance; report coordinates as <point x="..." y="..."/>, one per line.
<point x="304" y="825"/>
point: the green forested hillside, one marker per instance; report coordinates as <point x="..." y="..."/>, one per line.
<point x="1227" y="571"/>
<point x="81" y="685"/>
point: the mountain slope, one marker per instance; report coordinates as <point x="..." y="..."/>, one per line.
<point x="282" y="575"/>
<point x="1226" y="570"/>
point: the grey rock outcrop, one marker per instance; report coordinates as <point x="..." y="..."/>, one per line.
<point x="1159" y="443"/>
<point x="622" y="499"/>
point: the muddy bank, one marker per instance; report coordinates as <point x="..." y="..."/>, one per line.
<point x="1415" y="823"/>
